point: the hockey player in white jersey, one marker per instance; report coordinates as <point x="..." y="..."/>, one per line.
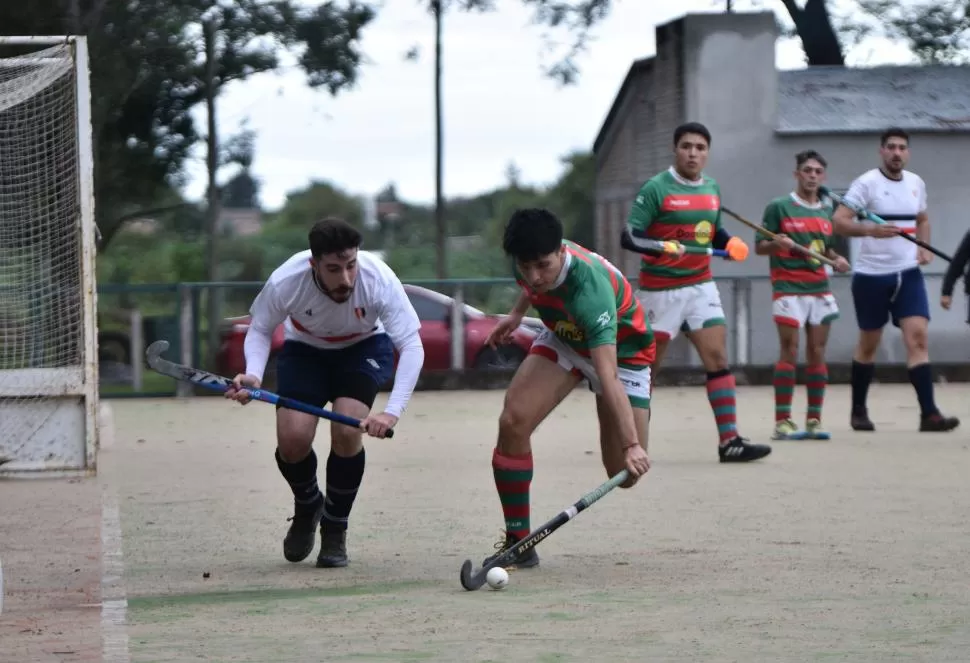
<point x="344" y="312"/>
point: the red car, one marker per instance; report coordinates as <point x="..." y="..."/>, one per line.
<point x="434" y="311"/>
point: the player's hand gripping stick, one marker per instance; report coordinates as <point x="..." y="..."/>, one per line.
<point x="770" y="235"/>
<point x="221" y="384"/>
<point x="866" y="214"/>
<point x="656" y="247"/>
<point x="474" y="580"/>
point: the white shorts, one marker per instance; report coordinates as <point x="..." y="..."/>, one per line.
<point x="693" y="306"/>
<point x="800" y="310"/>
<point x="636" y="383"/>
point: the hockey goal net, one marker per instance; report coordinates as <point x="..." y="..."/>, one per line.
<point x="48" y="363"/>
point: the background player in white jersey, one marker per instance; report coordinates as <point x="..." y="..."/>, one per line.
<point x="887" y="282"/>
<point x="344" y="313"/>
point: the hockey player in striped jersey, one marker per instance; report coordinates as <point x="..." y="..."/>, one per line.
<point x="682" y="204"/>
<point x="595" y="330"/>
<point x="800" y="292"/>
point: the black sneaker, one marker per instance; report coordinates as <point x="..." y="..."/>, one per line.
<point x="739" y="450"/>
<point x="333" y="549"/>
<point x="299" y="540"/>
<point x="860" y="421"/>
<point x="937" y="423"/>
<point x="526" y="560"/>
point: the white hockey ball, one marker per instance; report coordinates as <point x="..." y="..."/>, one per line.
<point x="497" y="578"/>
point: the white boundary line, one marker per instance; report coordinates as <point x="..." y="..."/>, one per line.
<point x="114" y="603"/>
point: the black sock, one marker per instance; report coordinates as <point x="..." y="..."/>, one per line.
<point x="861" y="378"/>
<point x="302" y="477"/>
<point x="921" y="376"/>
<point x="343" y="479"/>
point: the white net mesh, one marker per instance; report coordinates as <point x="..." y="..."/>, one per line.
<point x="41" y="283"/>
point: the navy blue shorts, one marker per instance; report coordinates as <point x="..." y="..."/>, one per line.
<point x="318" y="376"/>
<point x="896" y="296"/>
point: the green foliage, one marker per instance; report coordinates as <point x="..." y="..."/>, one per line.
<point x="936" y="31"/>
<point x="147" y="75"/>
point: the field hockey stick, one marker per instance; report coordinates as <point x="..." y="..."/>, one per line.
<point x="472" y="581"/>
<point x="220" y="383"/>
<point x="654" y="246"/>
<point x="866" y="214"/>
<point x="770" y="235"/>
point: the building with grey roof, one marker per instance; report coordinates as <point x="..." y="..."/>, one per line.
<point x="719" y="69"/>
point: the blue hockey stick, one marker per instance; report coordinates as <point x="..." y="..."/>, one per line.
<point x="220" y="383"/>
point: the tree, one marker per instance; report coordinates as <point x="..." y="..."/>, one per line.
<point x="146" y="76"/>
<point x="936" y="32"/>
<point x="576" y="18"/>
<point x="573" y="198"/>
<point x="813" y="25"/>
<point x="234" y="41"/>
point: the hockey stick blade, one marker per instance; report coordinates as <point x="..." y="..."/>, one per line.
<point x="474" y="580"/>
<point x="875" y="218"/>
<point x="220" y="383"/>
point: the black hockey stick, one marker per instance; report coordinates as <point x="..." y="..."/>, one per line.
<point x="472" y="581"/>
<point x="656" y="247"/>
<point x="866" y="214"/>
<point x="220" y="383"/>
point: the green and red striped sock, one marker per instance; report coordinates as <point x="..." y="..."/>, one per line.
<point x="513" y="477"/>
<point x="784" y="382"/>
<point x="721" y="395"/>
<point x="816" y="379"/>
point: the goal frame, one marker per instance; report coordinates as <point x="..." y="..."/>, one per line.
<point x="71" y="382"/>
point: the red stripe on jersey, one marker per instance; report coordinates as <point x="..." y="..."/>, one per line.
<point x="798" y="275"/>
<point x="806" y="224"/>
<point x="689" y="261"/>
<point x="579" y="255"/>
<point x="690" y="202"/>
<point x="329" y="339"/>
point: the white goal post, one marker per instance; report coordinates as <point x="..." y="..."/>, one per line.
<point x="48" y="300"/>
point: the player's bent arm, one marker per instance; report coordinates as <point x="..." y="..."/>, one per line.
<point x="635" y="240"/>
<point x="645" y="208"/>
<point x="958" y="267"/>
<point x="765" y="247"/>
<point x="267" y="313"/>
<point x="845" y="224"/>
<point x="404" y="329"/>
<point x="923" y="227"/>
<point x="614" y="395"/>
<point x="409" y="364"/>
<point x="522" y="305"/>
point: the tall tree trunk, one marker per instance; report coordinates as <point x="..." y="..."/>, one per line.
<point x="441" y="230"/>
<point x="212" y="196"/>
<point x="814" y="27"/>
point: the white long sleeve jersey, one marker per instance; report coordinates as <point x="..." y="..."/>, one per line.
<point x="378" y="304"/>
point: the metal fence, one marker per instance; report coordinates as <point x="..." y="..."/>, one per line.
<point x="133" y="316"/>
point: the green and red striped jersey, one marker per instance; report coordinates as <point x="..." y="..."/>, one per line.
<point x="594" y="305"/>
<point x="669" y="207"/>
<point x="794" y="273"/>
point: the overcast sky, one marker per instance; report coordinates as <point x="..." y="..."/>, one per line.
<point x="498" y="106"/>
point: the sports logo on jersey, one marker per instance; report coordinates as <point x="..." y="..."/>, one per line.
<point x="704" y="232"/>
<point x="604" y="319"/>
<point x="360" y="312"/>
<point x="568" y="330"/>
<point x="818" y="246"/>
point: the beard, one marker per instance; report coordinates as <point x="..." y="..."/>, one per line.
<point x="339" y="295"/>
